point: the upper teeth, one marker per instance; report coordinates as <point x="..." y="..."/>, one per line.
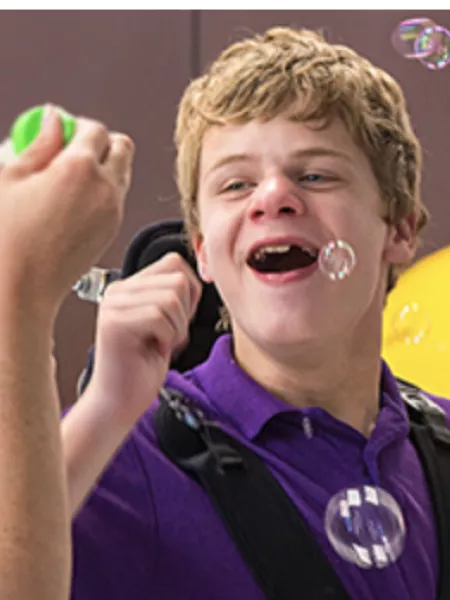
<point x="311" y="251"/>
<point x="280" y="249"/>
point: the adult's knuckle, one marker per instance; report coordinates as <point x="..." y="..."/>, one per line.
<point x="124" y="143"/>
<point x="98" y="129"/>
<point x="81" y="165"/>
<point x="93" y="130"/>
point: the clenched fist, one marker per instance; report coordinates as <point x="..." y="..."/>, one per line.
<point x="60" y="208"/>
<point x="141" y="321"/>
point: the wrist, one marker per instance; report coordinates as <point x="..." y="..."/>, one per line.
<point x="27" y="331"/>
<point x="21" y="306"/>
<point x="106" y="413"/>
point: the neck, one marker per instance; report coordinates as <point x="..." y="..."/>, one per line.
<point x="341" y="376"/>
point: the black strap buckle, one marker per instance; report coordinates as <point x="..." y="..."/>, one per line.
<point x="422" y="410"/>
<point x="223" y="455"/>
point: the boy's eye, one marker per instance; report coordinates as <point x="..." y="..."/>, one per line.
<point x="235" y="186"/>
<point x="313" y="178"/>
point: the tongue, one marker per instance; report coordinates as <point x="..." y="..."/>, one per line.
<point x="279" y="263"/>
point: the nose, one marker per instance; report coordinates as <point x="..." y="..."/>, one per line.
<point x="274" y="197"/>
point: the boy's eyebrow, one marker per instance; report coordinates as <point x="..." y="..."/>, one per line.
<point x="229" y="159"/>
<point x="300" y="153"/>
<point x="320" y="151"/>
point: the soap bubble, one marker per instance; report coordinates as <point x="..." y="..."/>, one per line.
<point x="436" y="40"/>
<point x="365" y="526"/>
<point x="411" y="324"/>
<point x="337" y="260"/>
<point x="406" y="38"/>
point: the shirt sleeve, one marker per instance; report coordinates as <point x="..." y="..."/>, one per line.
<point x="114" y="534"/>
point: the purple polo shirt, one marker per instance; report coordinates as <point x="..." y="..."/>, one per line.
<point x="148" y="532"/>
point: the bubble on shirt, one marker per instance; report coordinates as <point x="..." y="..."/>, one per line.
<point x="365" y="526"/>
<point x="337" y="260"/>
<point x="435" y="41"/>
<point x="411" y="324"/>
<point x="407" y="38"/>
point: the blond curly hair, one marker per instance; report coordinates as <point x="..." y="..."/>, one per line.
<point x="298" y="71"/>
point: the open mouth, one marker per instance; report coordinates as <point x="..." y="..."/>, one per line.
<point x="281" y="258"/>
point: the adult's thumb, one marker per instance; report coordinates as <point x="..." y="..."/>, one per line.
<point x="47" y="144"/>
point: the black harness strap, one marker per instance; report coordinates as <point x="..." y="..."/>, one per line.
<point x="269" y="531"/>
<point x="430" y="435"/>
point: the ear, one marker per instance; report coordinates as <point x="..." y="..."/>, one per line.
<point x="401" y="241"/>
<point x="202" y="260"/>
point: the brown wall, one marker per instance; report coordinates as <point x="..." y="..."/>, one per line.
<point x="128" y="69"/>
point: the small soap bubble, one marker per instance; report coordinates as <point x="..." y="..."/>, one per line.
<point x="411" y="324"/>
<point x="337" y="260"/>
<point x="406" y="35"/>
<point x="437" y="40"/>
<point x="365" y="526"/>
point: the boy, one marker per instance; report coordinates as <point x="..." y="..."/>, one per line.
<point x="285" y="144"/>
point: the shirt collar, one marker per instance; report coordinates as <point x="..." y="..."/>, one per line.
<point x="248" y="407"/>
<point x="235" y="395"/>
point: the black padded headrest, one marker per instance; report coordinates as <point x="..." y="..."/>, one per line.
<point x="151" y="243"/>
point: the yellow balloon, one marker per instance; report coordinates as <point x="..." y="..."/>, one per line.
<point x="416" y="324"/>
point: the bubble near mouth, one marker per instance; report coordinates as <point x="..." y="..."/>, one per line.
<point x="337" y="260"/>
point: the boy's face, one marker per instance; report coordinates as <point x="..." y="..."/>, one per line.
<point x="283" y="182"/>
